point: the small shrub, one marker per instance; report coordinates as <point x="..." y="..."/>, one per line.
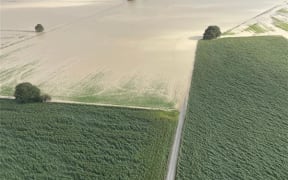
<point x="39" y="28"/>
<point x="212" y="32"/>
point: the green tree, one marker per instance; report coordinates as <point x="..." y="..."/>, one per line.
<point x="212" y="32"/>
<point x="39" y="28"/>
<point x="26" y="92"/>
<point x="45" y="98"/>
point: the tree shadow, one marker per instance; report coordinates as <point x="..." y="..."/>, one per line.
<point x="195" y="38"/>
<point x="16" y="30"/>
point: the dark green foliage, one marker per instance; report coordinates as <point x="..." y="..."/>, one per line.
<point x="65" y="141"/>
<point x="45" y="98"/>
<point x="39" y="28"/>
<point x="237" y="120"/>
<point x="26" y="93"/>
<point x="212" y="32"/>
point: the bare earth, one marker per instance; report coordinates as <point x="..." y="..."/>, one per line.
<point x="136" y="53"/>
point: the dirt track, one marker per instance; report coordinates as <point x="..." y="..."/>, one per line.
<point x="176" y="145"/>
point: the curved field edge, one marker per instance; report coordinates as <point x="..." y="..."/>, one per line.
<point x="68" y="141"/>
<point x="236" y="125"/>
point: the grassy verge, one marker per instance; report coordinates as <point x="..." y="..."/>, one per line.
<point x="127" y="94"/>
<point x="283" y="10"/>
<point x="256" y="28"/>
<point x="145" y="100"/>
<point x="237" y="120"/>
<point x="228" y="33"/>
<point x="65" y="141"/>
<point x="280" y="24"/>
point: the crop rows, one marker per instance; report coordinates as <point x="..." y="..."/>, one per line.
<point x="236" y="125"/>
<point x="62" y="141"/>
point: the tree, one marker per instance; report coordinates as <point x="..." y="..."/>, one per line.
<point x="212" y="32"/>
<point x="39" y="28"/>
<point x="27" y="93"/>
<point x="45" y="98"/>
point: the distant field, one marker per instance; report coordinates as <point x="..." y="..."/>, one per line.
<point x="61" y="141"/>
<point x="237" y="121"/>
<point x="271" y="22"/>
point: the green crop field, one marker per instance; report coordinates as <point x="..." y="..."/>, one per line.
<point x="236" y="125"/>
<point x="65" y="141"/>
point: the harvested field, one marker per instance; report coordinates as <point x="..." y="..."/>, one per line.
<point x="136" y="53"/>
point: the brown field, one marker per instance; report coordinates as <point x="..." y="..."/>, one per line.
<point x="114" y="52"/>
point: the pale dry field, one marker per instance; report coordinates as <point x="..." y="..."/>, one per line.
<point x="136" y="53"/>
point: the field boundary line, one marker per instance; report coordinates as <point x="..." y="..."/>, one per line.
<point x="255" y="17"/>
<point x="102" y="104"/>
<point x="174" y="153"/>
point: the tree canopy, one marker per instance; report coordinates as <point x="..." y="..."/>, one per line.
<point x="212" y="32"/>
<point x="39" y="28"/>
<point x="27" y="93"/>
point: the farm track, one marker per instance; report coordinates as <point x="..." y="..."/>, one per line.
<point x="171" y="173"/>
<point x="255" y="17"/>
<point x="172" y="166"/>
